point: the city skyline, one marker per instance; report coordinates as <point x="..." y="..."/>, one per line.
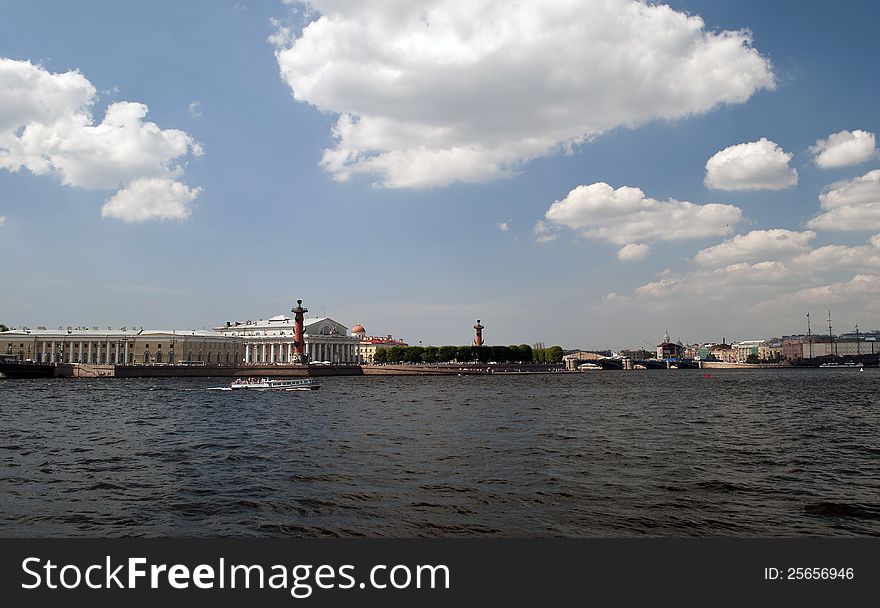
<point x="586" y="175"/>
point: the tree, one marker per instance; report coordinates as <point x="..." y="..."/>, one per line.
<point x="430" y="354"/>
<point x="380" y="356"/>
<point x="464" y="354"/>
<point x="554" y="354"/>
<point x="501" y="354"/>
<point x="752" y="359"/>
<point x="396" y="354"/>
<point x="413" y="354"/>
<point x="446" y="353"/>
<point x="483" y="353"/>
<point x="3" y="327"/>
<point x="525" y="353"/>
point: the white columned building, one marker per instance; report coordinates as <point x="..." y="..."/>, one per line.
<point x="325" y="340"/>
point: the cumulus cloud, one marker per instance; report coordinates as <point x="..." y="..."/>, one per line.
<point x="151" y="198"/>
<point x="756" y="245"/>
<point x="844" y="291"/>
<point x="633" y="252"/>
<point x="503" y="226"/>
<point x="850" y="204"/>
<point x="47" y="127"/>
<point x="757" y="165"/>
<point x="742" y="278"/>
<point x="625" y="215"/>
<point x="844" y="148"/>
<point x="841" y="257"/>
<point x="430" y="93"/>
<point x="544" y="233"/>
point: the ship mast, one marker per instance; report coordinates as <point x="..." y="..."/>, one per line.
<point x="809" y="336"/>
<point x="830" y="335"/>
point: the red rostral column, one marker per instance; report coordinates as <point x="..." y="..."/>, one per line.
<point x="479" y="329"/>
<point x="299" y="345"/>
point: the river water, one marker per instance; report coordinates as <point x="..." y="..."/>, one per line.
<point x="661" y="453"/>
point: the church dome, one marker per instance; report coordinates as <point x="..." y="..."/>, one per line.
<point x="358" y="329"/>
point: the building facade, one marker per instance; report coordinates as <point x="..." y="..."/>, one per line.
<point x="121" y="346"/>
<point x="271" y="341"/>
<point x="368" y="345"/>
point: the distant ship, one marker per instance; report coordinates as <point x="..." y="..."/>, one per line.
<point x="867" y="360"/>
<point x="12" y="367"/>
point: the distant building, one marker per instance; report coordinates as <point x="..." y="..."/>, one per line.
<point x="669" y="350"/>
<point x="722" y="352"/>
<point x="368" y="345"/>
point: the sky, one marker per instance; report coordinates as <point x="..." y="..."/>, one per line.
<point x="589" y="173"/>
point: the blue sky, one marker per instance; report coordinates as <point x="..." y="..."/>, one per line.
<point x="455" y="131"/>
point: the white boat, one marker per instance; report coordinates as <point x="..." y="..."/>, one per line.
<point x="270" y="384"/>
<point x="589" y="367"/>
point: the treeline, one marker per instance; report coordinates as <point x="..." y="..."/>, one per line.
<point x="522" y="353"/>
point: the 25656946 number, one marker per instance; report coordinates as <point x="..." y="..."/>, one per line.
<point x="823" y="574"/>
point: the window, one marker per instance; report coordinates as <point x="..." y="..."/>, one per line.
<point x="170" y="356"/>
<point x="159" y="356"/>
<point x="200" y="357"/>
<point x="146" y="356"/>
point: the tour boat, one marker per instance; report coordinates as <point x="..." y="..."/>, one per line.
<point x="276" y="385"/>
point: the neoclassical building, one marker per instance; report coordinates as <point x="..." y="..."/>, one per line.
<point x="369" y="344"/>
<point x="267" y="341"/>
<point x="121" y="346"/>
<point x="271" y="340"/>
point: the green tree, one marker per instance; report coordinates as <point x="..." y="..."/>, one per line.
<point x="525" y="353"/>
<point x="413" y="354"/>
<point x="752" y="359"/>
<point x="396" y="354"/>
<point x="430" y="354"/>
<point x="446" y="353"/>
<point x="554" y="354"/>
<point x="464" y="354"/>
<point x="501" y="354"/>
<point x="381" y="355"/>
<point x="483" y="353"/>
<point x="3" y="327"/>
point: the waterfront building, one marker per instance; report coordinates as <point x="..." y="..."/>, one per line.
<point x="723" y="352"/>
<point x="846" y="347"/>
<point x="368" y="345"/>
<point x="122" y="346"/>
<point x="745" y="349"/>
<point x="669" y="350"/>
<point x="272" y="341"/>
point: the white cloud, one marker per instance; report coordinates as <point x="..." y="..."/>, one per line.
<point x="429" y="93"/>
<point x="2" y="220"/>
<point x="625" y="215"/>
<point x="544" y="233"/>
<point x="47" y="127"/>
<point x="195" y="108"/>
<point x="844" y="148"/>
<point x="503" y="226"/>
<point x="738" y="279"/>
<point x="757" y="165"/>
<point x="633" y="252"/>
<point x="841" y="257"/>
<point x="151" y="198"/>
<point x="850" y="204"/>
<point x="756" y="245"/>
<point x="844" y="291"/>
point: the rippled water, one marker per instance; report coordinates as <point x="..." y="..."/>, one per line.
<point x="667" y="453"/>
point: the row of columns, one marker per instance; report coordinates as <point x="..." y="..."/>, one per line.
<point x="282" y="352"/>
<point x="87" y="351"/>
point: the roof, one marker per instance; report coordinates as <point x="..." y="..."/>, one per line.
<point x="82" y="333"/>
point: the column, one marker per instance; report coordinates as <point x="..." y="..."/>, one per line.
<point x="125" y="352"/>
<point x="289" y="352"/>
<point x="108" y="349"/>
<point x="272" y="352"/>
<point x="81" y="351"/>
<point x="116" y="352"/>
<point x="247" y="353"/>
<point x="52" y="357"/>
<point x="43" y="356"/>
